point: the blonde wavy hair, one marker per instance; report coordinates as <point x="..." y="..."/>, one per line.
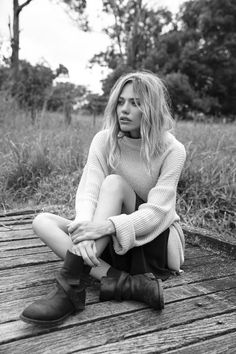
<point x="156" y="116"/>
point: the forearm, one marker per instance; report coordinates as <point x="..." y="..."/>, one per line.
<point x="109" y="228"/>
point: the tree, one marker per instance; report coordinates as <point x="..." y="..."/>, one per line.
<point x="209" y="53"/>
<point x="64" y="97"/>
<point x="181" y="93"/>
<point x="95" y="104"/>
<point x="15" y="39"/>
<point x="134" y="35"/>
<point x="34" y="86"/>
<point x="197" y="49"/>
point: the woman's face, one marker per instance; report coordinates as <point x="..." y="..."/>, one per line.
<point x="128" y="113"/>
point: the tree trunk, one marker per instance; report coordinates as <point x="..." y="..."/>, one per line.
<point x="133" y="42"/>
<point x="15" y="40"/>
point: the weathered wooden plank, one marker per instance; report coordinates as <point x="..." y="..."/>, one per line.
<point x="15" y="228"/>
<point x="11" y="304"/>
<point x="11" y="279"/>
<point x="17" y="235"/>
<point x="217" y="345"/>
<point x="25" y="243"/>
<point x="210" y="259"/>
<point x="13" y="213"/>
<point x="18" y="278"/>
<point x="195" y="252"/>
<point x="208" y="240"/>
<point x="130" y="325"/>
<point x="43" y="248"/>
<point x="197" y="261"/>
<point x="207" y="289"/>
<point x="19" y="252"/>
<point x="41" y="258"/>
<point x="177" y="293"/>
<point x="10" y="310"/>
<point x="202" y="272"/>
<point x="27" y="256"/>
<point x="168" y="339"/>
<point x="16" y="221"/>
<point x="171" y="338"/>
<point x="28" y="216"/>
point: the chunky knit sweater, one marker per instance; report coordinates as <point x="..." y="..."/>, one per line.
<point x="158" y="189"/>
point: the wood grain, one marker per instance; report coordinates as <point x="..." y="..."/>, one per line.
<point x="199" y="314"/>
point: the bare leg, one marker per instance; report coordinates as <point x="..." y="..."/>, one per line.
<point x="52" y="230"/>
<point x="115" y="195"/>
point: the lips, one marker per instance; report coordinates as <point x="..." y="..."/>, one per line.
<point x="124" y="119"/>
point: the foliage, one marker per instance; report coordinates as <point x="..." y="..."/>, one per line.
<point x="197" y="48"/>
<point x="208" y="55"/>
<point x="95" y="103"/>
<point x="77" y="11"/>
<point x="194" y="52"/>
<point x="182" y="93"/>
<point x="134" y="35"/>
<point x="49" y="160"/>
<point x="32" y="85"/>
<point x="63" y="93"/>
<point x="35" y="89"/>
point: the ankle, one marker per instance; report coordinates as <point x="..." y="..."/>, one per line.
<point x="113" y="273"/>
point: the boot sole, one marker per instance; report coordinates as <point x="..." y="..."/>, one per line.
<point x="45" y="323"/>
<point x="161" y="295"/>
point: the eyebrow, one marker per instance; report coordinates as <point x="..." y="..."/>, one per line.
<point x="130" y="98"/>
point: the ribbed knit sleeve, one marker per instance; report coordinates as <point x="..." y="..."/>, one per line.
<point x="158" y="213"/>
<point x="93" y="175"/>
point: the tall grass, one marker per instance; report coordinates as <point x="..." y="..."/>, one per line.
<point x="42" y="165"/>
<point x="207" y="188"/>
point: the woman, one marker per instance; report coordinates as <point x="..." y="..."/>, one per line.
<point x="126" y="232"/>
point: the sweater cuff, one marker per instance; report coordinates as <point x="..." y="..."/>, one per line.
<point x="125" y="234"/>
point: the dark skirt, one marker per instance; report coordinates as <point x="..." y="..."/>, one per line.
<point x="151" y="257"/>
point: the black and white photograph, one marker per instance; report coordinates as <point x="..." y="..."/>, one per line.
<point x="117" y="176"/>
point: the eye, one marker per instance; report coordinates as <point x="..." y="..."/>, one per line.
<point x="120" y="101"/>
<point x="135" y="103"/>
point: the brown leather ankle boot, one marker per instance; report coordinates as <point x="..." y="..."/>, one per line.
<point x="67" y="297"/>
<point x="141" y="287"/>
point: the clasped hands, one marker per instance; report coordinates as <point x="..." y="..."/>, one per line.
<point x="84" y="234"/>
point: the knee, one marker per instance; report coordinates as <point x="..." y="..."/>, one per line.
<point x="113" y="184"/>
<point x="175" y="253"/>
<point x="40" y="221"/>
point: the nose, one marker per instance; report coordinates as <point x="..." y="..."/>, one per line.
<point x="125" y="107"/>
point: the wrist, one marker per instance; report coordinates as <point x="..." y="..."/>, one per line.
<point x="110" y="228"/>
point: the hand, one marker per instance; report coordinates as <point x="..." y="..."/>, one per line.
<point x="87" y="250"/>
<point x="88" y="230"/>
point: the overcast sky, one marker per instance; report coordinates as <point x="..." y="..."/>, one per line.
<point x="48" y="34"/>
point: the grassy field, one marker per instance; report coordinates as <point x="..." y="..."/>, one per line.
<point x="41" y="166"/>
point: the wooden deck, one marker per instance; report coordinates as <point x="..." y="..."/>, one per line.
<point x="199" y="314"/>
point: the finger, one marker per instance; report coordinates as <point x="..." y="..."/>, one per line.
<point x="72" y="227"/>
<point x="92" y="255"/>
<point x="94" y="248"/>
<point x="85" y="257"/>
<point x="95" y="252"/>
<point x="78" y="239"/>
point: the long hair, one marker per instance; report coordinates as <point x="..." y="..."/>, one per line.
<point x="156" y="116"/>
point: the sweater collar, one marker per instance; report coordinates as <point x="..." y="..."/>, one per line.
<point x="133" y="143"/>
